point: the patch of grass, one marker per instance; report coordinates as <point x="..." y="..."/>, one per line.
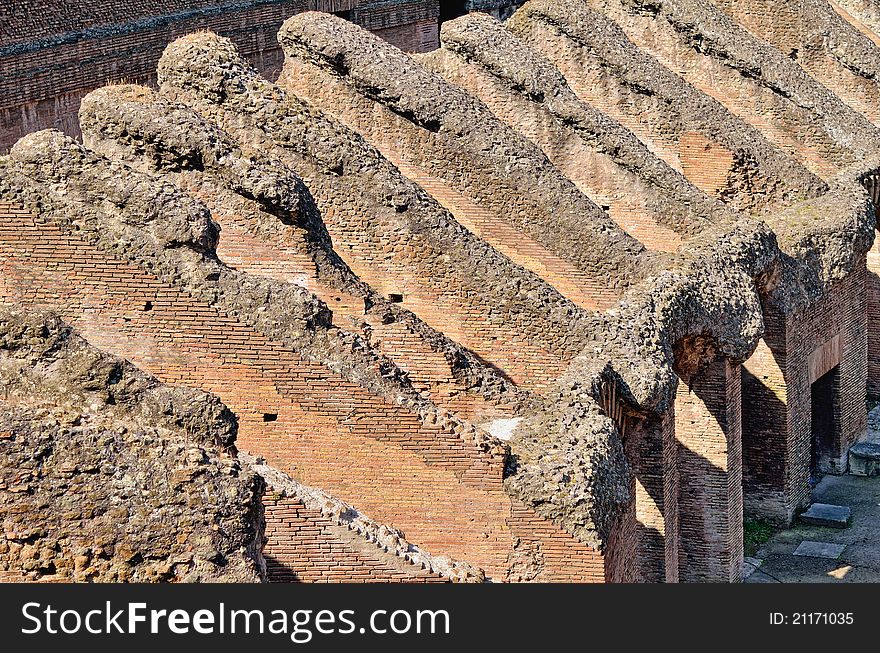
<point x="756" y="532"/>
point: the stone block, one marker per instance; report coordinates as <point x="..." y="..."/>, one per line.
<point x="825" y="514"/>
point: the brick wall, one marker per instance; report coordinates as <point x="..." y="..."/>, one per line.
<point x="452" y="280"/>
<point x="504" y="237"/>
<point x="765" y="426"/>
<point x="592" y="81"/>
<point x="872" y="284"/>
<point x="783" y="122"/>
<point x="51" y="59"/>
<point x="385" y="14"/>
<point x="304" y="546"/>
<point x="531" y="356"/>
<point x="777" y="414"/>
<point x="704" y="162"/>
<point x="324" y="431"/>
<point x="709" y="433"/>
<point x="595" y="174"/>
<point x="25" y="22"/>
<point x="541" y="552"/>
<point x="281" y="252"/>
<point x="421" y="36"/>
<point x="816" y="37"/>
<point x="653" y="453"/>
<point x="842" y="312"/>
<point x="633" y="88"/>
<point x="42" y="87"/>
<point x="622" y="548"/>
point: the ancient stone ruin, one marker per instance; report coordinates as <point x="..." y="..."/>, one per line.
<point x="53" y="52"/>
<point x="564" y="299"/>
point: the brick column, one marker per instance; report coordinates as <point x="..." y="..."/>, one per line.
<point x="651" y="448"/>
<point x="872" y="283"/>
<point x="853" y="375"/>
<point x="621" y="550"/>
<point x="765" y="428"/>
<point x="708" y="429"/>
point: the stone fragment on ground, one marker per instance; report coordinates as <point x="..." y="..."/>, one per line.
<point x="819" y="549"/>
<point x="825" y="514"/>
<point x="750" y="566"/>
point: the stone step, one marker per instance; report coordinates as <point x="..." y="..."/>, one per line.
<point x="864" y="459"/>
<point x="750" y="566"/>
<point x="825" y="514"/>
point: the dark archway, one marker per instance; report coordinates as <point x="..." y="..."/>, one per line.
<point x="450" y="9"/>
<point x="824" y="407"/>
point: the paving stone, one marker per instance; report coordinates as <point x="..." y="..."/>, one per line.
<point x="750" y="565"/>
<point x="825" y="514"/>
<point x="819" y="549"/>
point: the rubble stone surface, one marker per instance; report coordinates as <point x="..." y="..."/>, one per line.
<point x="108" y="475"/>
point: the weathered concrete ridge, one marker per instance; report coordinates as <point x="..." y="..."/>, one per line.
<point x="692" y="132"/>
<point x="863" y="14"/>
<point x="604" y="159"/>
<point x="443" y="130"/>
<point x="258" y="201"/>
<point x="751" y="78"/>
<point x="821" y="40"/>
<point x="413" y="248"/>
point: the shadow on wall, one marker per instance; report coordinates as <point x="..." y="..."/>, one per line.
<point x="654" y="540"/>
<point x="278" y="572"/>
<point x="710" y="521"/>
<point x="825" y="422"/>
<point x="701" y="520"/>
<point x="709" y="459"/>
<point x="763" y="443"/>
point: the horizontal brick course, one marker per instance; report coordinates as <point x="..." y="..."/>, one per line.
<point x="440" y="490"/>
<point x="52" y="58"/>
